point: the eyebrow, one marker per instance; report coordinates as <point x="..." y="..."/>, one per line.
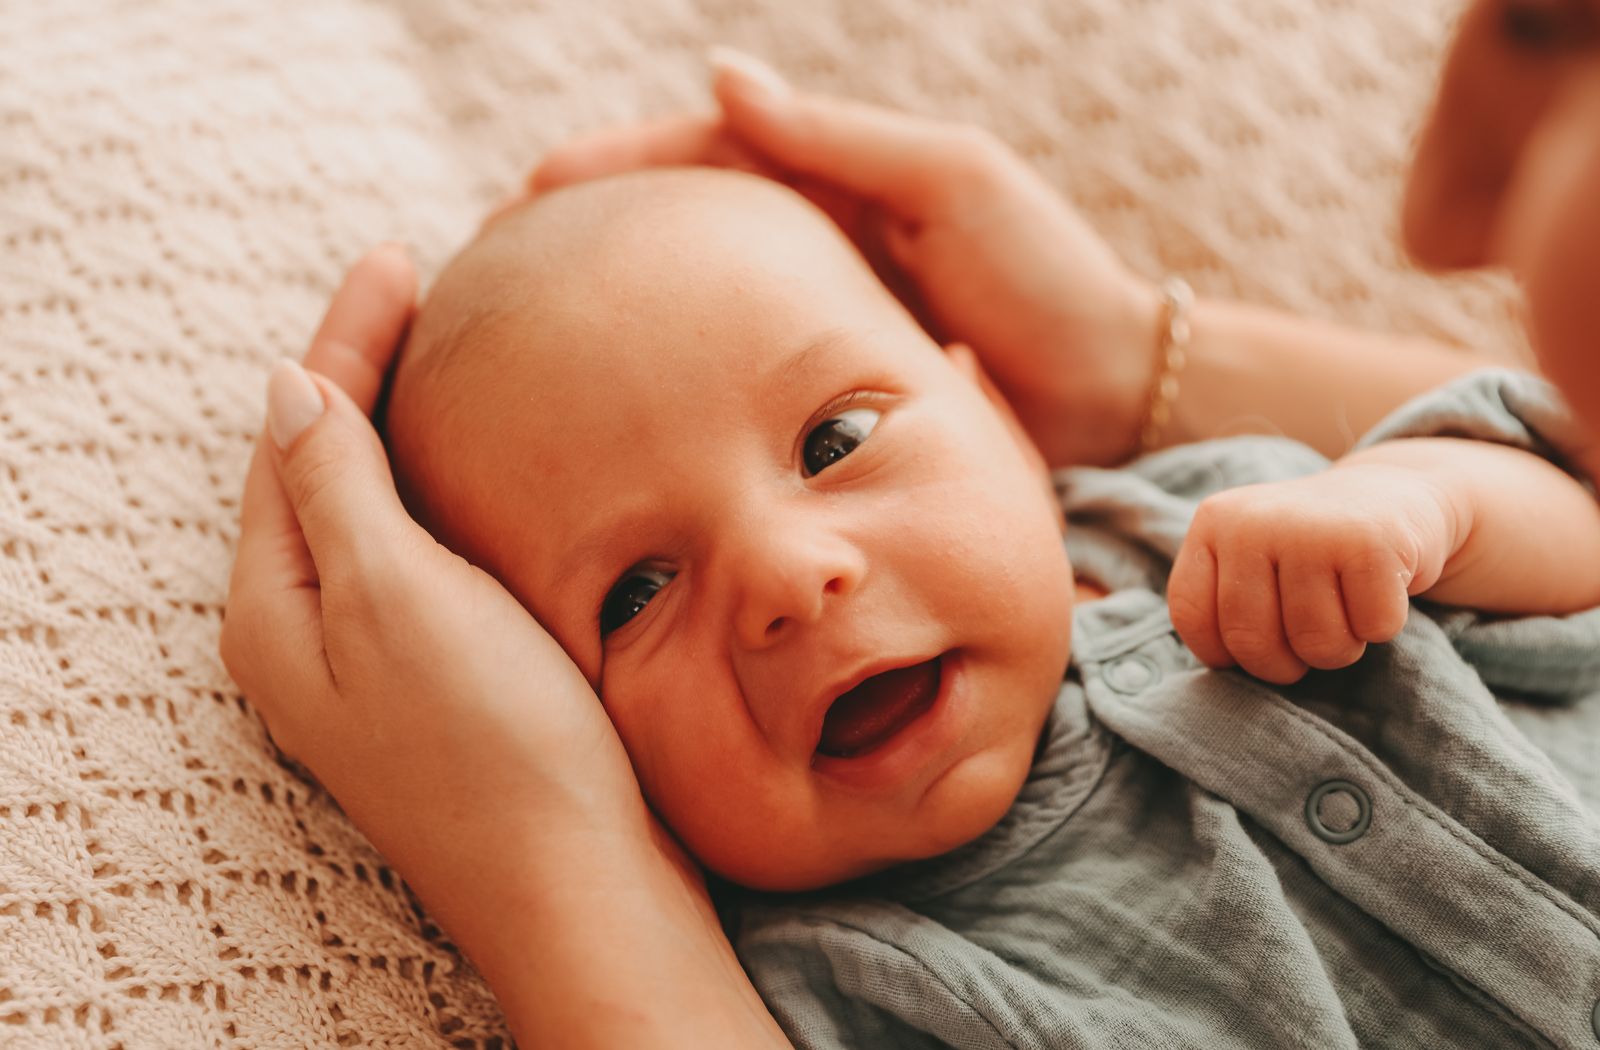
<point x="788" y="371"/>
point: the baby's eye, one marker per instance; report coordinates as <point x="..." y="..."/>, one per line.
<point x="836" y="437"/>
<point x="629" y="597"/>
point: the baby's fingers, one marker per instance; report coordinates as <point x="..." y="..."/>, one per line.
<point x="1192" y="603"/>
<point x="1314" y="614"/>
<point x="1376" y="601"/>
<point x="1251" y="617"/>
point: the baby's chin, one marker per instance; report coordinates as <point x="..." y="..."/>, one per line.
<point x="970" y="800"/>
<point x="969" y="803"/>
<point x="962" y="805"/>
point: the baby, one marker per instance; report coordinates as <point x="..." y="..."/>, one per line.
<point x="813" y="568"/>
<point x="678" y="417"/>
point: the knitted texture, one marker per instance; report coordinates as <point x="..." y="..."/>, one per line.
<point x="181" y="187"/>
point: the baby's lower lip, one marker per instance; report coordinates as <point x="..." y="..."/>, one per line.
<point x="878" y="709"/>
<point x="930" y="728"/>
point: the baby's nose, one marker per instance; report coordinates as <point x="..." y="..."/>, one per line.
<point x="791" y="577"/>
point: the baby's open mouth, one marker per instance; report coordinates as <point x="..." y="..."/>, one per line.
<point x="874" y="711"/>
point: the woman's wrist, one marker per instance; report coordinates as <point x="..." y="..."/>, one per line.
<point x="1111" y="432"/>
<point x="1177" y="301"/>
<point x="600" y="934"/>
<point x="1089" y="413"/>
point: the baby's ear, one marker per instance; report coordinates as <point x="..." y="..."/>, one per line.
<point x="963" y="360"/>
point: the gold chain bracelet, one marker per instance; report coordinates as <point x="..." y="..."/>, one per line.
<point x="1177" y="299"/>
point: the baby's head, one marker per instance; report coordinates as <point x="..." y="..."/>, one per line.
<point x="677" y="416"/>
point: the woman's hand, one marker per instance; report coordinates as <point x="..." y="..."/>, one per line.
<point x="455" y="733"/>
<point x="995" y="258"/>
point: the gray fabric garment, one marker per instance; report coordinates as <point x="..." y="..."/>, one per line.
<point x="1160" y="880"/>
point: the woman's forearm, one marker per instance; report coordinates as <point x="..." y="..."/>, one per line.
<point x="594" y="938"/>
<point x="1252" y="370"/>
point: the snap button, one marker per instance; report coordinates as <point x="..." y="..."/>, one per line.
<point x="1132" y="673"/>
<point x="1338" y="811"/>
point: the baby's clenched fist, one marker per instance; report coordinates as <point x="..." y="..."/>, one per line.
<point x="1288" y="575"/>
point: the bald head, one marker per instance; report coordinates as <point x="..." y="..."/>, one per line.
<point x="614" y="241"/>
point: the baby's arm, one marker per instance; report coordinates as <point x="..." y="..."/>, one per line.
<point x="1286" y="575"/>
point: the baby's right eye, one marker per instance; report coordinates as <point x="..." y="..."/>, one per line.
<point x="629" y="597"/>
<point x="837" y="436"/>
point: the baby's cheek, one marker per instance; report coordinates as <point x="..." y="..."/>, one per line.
<point x="704" y="770"/>
<point x="752" y="825"/>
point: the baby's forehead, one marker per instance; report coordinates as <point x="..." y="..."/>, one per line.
<point x="688" y="269"/>
<point x="602" y="321"/>
<point x="648" y="224"/>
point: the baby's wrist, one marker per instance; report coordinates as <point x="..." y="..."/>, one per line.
<point x="1430" y="505"/>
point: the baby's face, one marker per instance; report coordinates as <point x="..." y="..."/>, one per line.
<point x="734" y="480"/>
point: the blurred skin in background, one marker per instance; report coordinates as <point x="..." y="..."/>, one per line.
<point x="1508" y="172"/>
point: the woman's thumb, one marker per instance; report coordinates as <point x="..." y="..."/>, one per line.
<point x="331" y="463"/>
<point x="293" y="403"/>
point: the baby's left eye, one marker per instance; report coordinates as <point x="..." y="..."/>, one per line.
<point x="629" y="597"/>
<point x="837" y="437"/>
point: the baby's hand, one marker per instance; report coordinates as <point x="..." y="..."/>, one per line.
<point x="1282" y="576"/>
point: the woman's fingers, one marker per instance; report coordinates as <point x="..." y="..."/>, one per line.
<point x="354" y="345"/>
<point x="905" y="163"/>
<point x="362" y="329"/>
<point x="901" y="161"/>
<point x="271" y="639"/>
<point x="274" y="617"/>
<point x="271" y="546"/>
<point x="336" y="477"/>
<point x="271" y="554"/>
<point x="688" y="138"/>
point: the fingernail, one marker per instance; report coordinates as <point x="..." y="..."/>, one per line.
<point x="401" y="247"/>
<point x="293" y="402"/>
<point x="755" y="78"/>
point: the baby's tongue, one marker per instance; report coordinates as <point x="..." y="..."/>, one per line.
<point x="877" y="709"/>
